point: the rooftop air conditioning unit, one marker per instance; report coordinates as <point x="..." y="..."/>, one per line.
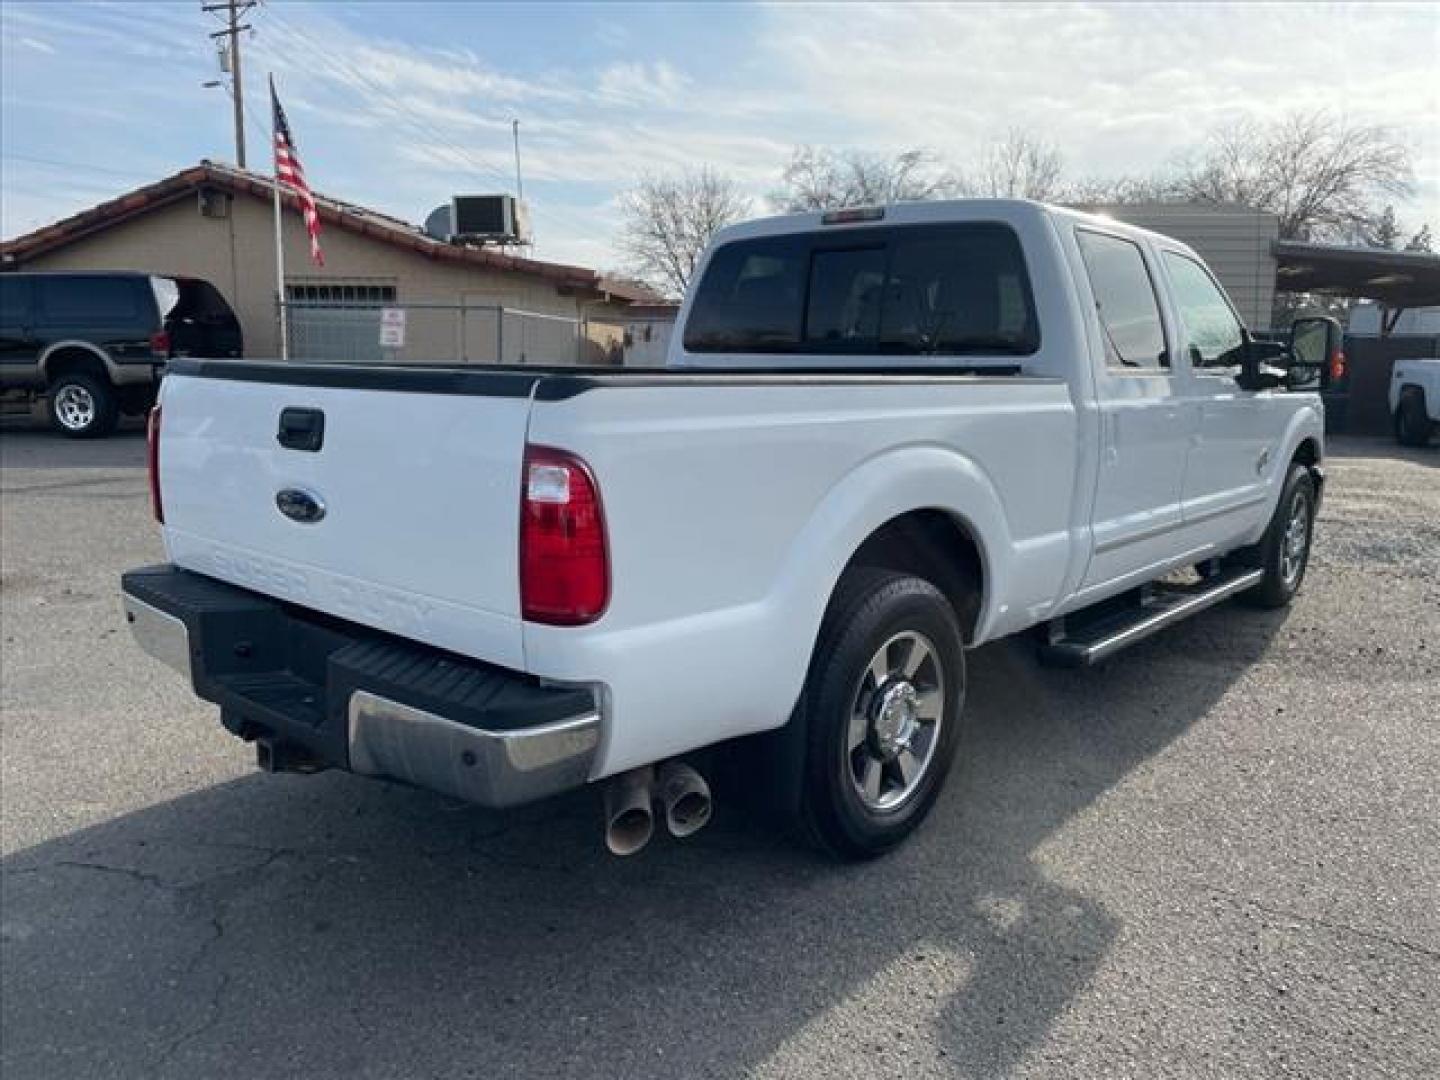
<point x="496" y="219"/>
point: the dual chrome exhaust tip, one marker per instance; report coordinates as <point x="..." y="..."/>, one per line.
<point x="631" y="799"/>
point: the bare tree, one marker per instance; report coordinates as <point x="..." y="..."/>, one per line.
<point x="1019" y="166"/>
<point x="1117" y="190"/>
<point x="1322" y="175"/>
<point x="1383" y="231"/>
<point x="819" y="178"/>
<point x="669" y="221"/>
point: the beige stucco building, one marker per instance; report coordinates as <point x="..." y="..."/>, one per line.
<point x="461" y="302"/>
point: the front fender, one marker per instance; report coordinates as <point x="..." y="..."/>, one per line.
<point x="1306" y="422"/>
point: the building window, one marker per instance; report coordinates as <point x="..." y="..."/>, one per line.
<point x="340" y="292"/>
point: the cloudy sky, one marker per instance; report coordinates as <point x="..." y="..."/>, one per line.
<point x="396" y="106"/>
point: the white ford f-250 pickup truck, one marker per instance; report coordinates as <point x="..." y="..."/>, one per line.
<point x="885" y="436"/>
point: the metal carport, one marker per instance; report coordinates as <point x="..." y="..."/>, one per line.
<point x="1397" y="279"/>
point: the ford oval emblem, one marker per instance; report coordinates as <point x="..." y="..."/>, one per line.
<point x="300" y="505"/>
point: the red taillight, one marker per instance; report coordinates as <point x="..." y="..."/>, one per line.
<point x="564" y="565"/>
<point x="160" y="344"/>
<point x="152" y="462"/>
<point x="1337" y="365"/>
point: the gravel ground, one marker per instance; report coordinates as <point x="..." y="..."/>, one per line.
<point x="1219" y="854"/>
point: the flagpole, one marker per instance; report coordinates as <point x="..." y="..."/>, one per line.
<point x="279" y="239"/>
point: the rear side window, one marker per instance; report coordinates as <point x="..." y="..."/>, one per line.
<point x="91" y="301"/>
<point x="906" y="290"/>
<point x="1125" y="301"/>
<point x="14" y="300"/>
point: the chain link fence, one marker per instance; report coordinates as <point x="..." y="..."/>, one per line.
<point x="350" y="332"/>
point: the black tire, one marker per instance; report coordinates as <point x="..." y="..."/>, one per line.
<point x="83" y="406"/>
<point x="908" y="617"/>
<point x="1412" y="423"/>
<point x="1284" y="566"/>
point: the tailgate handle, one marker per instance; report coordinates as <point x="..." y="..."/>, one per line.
<point x="301" y="429"/>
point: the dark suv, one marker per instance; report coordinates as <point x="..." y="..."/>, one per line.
<point x="96" y="344"/>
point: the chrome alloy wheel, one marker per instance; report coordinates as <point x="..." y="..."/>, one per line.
<point x="1296" y="542"/>
<point x="75" y="407"/>
<point x="895" y="718"/>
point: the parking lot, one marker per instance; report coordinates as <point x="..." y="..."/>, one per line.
<point x="1218" y="854"/>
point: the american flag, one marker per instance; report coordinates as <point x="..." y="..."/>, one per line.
<point x="288" y="170"/>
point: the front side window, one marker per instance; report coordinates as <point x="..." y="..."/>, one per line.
<point x="900" y="291"/>
<point x="1124" y="300"/>
<point x="1215" y="334"/>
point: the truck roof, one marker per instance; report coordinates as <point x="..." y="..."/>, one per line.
<point x="939" y="211"/>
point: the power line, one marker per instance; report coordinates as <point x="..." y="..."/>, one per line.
<point x="73" y="165"/>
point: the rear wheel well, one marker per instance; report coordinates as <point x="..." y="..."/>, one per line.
<point x="1307" y="453"/>
<point x="74" y="362"/>
<point x="933" y="545"/>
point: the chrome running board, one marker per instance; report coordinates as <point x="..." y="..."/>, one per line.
<point x="1076" y="641"/>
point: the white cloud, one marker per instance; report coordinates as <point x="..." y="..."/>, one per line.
<point x="643" y="84"/>
<point x="1120" y="88"/>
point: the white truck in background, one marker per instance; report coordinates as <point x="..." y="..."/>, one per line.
<point x="1415" y="400"/>
<point x="886" y="435"/>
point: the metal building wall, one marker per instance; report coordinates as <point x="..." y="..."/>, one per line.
<point x="1235" y="240"/>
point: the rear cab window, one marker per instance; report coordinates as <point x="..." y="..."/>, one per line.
<point x="903" y="290"/>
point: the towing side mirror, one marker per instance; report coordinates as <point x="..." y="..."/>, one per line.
<point x="1317" y="350"/>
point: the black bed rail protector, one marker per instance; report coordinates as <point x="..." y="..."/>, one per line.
<point x="562" y="383"/>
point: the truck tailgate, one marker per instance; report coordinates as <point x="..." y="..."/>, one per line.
<point x="420" y="493"/>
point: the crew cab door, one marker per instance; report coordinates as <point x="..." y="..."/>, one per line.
<point x="1139" y="396"/>
<point x="1224" y="492"/>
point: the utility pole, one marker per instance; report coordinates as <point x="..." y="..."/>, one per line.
<point x="233" y="11"/>
<point x="519" y="184"/>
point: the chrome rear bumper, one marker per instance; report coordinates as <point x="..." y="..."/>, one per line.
<point x="495" y="768"/>
<point x="353" y="699"/>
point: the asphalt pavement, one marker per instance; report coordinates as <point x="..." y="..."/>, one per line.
<point x="1216" y="855"/>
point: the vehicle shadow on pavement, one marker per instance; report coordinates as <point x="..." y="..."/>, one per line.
<point x="331" y="926"/>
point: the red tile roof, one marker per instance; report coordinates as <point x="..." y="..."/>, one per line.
<point x="333" y="212"/>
